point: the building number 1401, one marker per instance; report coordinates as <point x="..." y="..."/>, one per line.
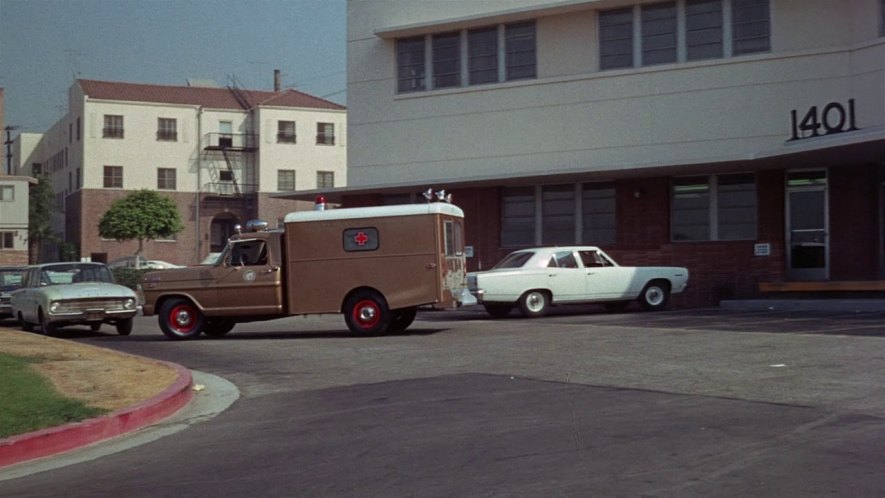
<point x="832" y="118"/>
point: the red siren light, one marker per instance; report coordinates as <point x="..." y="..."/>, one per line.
<point x="319" y="203"/>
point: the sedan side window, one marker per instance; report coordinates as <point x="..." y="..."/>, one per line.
<point x="563" y="259"/>
<point x="592" y="259"/>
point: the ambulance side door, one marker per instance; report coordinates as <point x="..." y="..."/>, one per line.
<point x="249" y="280"/>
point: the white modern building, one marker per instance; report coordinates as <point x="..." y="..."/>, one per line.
<point x="744" y="139"/>
<point x="218" y="153"/>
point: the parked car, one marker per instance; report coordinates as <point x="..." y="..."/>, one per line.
<point x="10" y="280"/>
<point x="53" y="295"/>
<point x="535" y="279"/>
<point x="145" y="264"/>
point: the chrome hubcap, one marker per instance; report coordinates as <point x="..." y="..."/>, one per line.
<point x="182" y="318"/>
<point x="367" y="314"/>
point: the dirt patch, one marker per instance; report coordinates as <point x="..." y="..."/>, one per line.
<point x="99" y="377"/>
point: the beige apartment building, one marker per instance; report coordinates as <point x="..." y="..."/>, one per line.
<point x="221" y="154"/>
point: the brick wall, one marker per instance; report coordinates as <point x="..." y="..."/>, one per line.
<point x="854" y="222"/>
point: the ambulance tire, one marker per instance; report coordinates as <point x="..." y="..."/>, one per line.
<point x="180" y="319"/>
<point x="402" y="318"/>
<point x="366" y="313"/>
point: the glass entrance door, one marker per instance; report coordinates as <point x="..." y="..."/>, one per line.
<point x="807" y="239"/>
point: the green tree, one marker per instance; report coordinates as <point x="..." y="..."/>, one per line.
<point x="141" y="215"/>
<point x="40" y="200"/>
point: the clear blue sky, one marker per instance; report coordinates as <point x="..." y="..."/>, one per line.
<point x="46" y="44"/>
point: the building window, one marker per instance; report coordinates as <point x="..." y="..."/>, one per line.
<point x="325" y="134"/>
<point x="7" y="240"/>
<point x="226" y="175"/>
<point x="325" y="179"/>
<point x="446" y="60"/>
<point x="482" y="55"/>
<point x="517" y="216"/>
<point x="558" y="214"/>
<point x="167" y="130"/>
<point x="598" y="214"/>
<point x="719" y="207"/>
<point x="285" y="132"/>
<point x="616" y="38"/>
<point x="113" y="177"/>
<point x="7" y="193"/>
<point x="658" y="33"/>
<point x="410" y="64"/>
<point x="519" y="45"/>
<point x="750" y="25"/>
<point x="703" y="29"/>
<point x="36" y="169"/>
<point x="685" y="30"/>
<point x="79" y="180"/>
<point x="493" y="54"/>
<point x="166" y="179"/>
<point x="78" y="129"/>
<point x="113" y="126"/>
<point x="286" y="180"/>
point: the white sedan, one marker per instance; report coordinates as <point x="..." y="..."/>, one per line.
<point x="535" y="279"/>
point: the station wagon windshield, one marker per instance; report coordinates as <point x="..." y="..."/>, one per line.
<point x="514" y="260"/>
<point x="72" y="274"/>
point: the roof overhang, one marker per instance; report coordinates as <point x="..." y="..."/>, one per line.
<point x="486" y="18"/>
<point x="857" y="147"/>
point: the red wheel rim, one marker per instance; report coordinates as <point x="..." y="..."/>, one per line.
<point x="366" y="313"/>
<point x="182" y="318"/>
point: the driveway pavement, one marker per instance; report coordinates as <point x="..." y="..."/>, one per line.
<point x="701" y="403"/>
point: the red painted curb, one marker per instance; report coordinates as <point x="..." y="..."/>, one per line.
<point x="55" y="440"/>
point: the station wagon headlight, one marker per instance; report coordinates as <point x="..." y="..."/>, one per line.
<point x="53" y="307"/>
<point x="129" y="304"/>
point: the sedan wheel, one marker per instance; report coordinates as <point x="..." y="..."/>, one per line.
<point x="655" y="295"/>
<point x="534" y="303"/>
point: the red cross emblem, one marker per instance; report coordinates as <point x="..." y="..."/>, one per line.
<point x="361" y="238"/>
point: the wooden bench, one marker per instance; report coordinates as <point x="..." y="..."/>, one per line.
<point x="829" y="286"/>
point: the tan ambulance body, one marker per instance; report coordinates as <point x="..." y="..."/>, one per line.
<point x="375" y="265"/>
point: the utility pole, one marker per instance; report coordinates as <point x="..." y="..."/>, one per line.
<point x="8" y="144"/>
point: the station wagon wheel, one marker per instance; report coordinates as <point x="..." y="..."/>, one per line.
<point x="180" y="319"/>
<point x="366" y="313"/>
<point x="534" y="303"/>
<point x="48" y="327"/>
<point x="401" y="320"/>
<point x="26" y="326"/>
<point x="218" y="327"/>
<point x="124" y="327"/>
<point x="655" y="295"/>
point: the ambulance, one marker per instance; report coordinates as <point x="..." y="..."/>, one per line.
<point x="374" y="265"/>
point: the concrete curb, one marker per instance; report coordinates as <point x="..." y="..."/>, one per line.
<point x="55" y="440"/>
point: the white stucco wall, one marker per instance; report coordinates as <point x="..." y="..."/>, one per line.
<point x="305" y="156"/>
<point x="575" y="118"/>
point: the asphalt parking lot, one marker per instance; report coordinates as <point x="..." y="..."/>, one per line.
<point x="580" y="403"/>
<point x="798" y="321"/>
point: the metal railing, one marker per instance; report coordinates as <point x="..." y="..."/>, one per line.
<point x="229" y="189"/>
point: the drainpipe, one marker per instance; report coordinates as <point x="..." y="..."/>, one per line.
<point x="199" y="142"/>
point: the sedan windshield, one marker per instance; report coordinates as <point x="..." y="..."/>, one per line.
<point x="514" y="260"/>
<point x="74" y="273"/>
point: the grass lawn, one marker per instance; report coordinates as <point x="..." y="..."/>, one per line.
<point x="28" y="401"/>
